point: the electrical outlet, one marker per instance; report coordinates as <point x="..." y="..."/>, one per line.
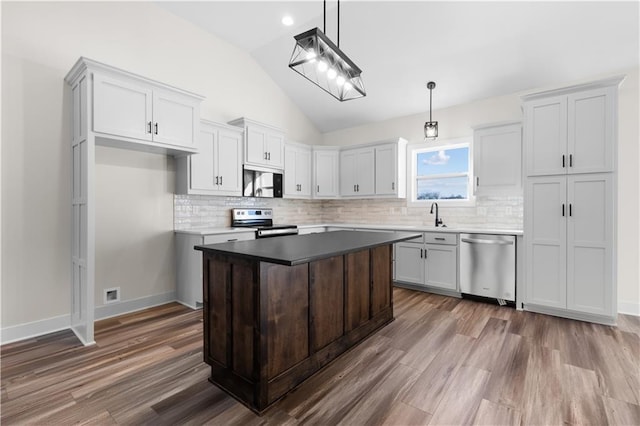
<point x="111" y="295"/>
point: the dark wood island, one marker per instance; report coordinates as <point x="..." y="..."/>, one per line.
<point x="277" y="310"/>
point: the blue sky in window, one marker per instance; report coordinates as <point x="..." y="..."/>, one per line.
<point x="444" y="161"/>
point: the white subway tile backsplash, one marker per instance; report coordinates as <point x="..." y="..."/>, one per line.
<point x="194" y="211"/>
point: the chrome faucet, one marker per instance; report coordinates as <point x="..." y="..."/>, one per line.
<point x="438" y="219"/>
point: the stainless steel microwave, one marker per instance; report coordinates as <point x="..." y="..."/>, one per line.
<point x="261" y="184"/>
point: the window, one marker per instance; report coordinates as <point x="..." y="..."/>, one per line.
<point x="441" y="173"/>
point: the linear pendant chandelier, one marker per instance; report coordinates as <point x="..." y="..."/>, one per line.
<point x="320" y="61"/>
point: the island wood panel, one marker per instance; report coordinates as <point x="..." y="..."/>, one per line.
<point x="287" y="296"/>
<point x="326" y="299"/>
<point x="381" y="276"/>
<point x="242" y="305"/>
<point x="217" y="274"/>
<point x="357" y="300"/>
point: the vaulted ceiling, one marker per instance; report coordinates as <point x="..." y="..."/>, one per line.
<point x="472" y="50"/>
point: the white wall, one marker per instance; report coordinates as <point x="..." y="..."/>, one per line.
<point x="458" y="121"/>
<point x="134" y="221"/>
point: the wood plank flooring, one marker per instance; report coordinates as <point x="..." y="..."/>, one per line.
<point x="442" y="361"/>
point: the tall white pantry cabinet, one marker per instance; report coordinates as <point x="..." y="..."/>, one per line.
<point x="570" y="138"/>
<point x="115" y="108"/>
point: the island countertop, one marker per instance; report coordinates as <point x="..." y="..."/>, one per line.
<point x="297" y="249"/>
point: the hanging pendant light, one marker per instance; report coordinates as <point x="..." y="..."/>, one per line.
<point x="430" y="127"/>
<point x="320" y="61"/>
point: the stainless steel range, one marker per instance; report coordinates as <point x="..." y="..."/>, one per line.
<point x="262" y="219"/>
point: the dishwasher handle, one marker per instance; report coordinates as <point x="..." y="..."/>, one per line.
<point x="484" y="241"/>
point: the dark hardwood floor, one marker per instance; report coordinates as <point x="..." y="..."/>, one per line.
<point x="442" y="361"/>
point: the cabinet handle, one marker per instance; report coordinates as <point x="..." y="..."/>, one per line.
<point x="563" y="161"/>
<point x="354" y="188"/>
<point x="562" y="209"/>
<point x="217" y="180"/>
<point x="317" y="188"/>
<point x="269" y="156"/>
<point x="393" y="186"/>
<point x="425" y="253"/>
<point x="149" y="124"/>
<point x="420" y="253"/>
<point x="477" y="181"/>
<point x="570" y="160"/>
<point x="570" y="214"/>
<point x="156" y="128"/>
<point x="233" y="239"/>
<point x="358" y="187"/>
<point x="220" y="180"/>
<point x="439" y="239"/>
<point x="265" y="155"/>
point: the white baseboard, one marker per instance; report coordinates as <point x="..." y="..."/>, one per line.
<point x="28" y="330"/>
<point x="63" y="322"/>
<point x="127" y="306"/>
<point x="629" y="308"/>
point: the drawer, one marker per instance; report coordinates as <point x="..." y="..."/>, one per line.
<point x="235" y="236"/>
<point x="441" y="238"/>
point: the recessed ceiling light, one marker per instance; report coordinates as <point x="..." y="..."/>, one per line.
<point x="287" y="20"/>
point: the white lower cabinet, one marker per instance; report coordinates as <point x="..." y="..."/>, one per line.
<point x="427" y="264"/>
<point x="568" y="230"/>
<point x="189" y="263"/>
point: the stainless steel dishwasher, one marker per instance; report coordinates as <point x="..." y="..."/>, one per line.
<point x="488" y="266"/>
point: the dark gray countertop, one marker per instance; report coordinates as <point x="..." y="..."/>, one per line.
<point x="295" y="249"/>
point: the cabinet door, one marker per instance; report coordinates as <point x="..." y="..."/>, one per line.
<point x="202" y="169"/>
<point x="365" y="168"/>
<point x="545" y="241"/>
<point x="325" y="173"/>
<point x="590" y="280"/>
<point x="290" y="171"/>
<point x="348" y="173"/>
<point x="175" y="119"/>
<point x="229" y="162"/>
<point x="275" y="150"/>
<point x="546" y="136"/>
<point x="442" y="267"/>
<point x="497" y="160"/>
<point x="591" y="131"/>
<point x="303" y="172"/>
<point x="386" y="170"/>
<point x="121" y="108"/>
<point x="410" y="266"/>
<point x="256" y="138"/>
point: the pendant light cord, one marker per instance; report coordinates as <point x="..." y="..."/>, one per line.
<point x="430" y="108"/>
<point x="338" y="24"/>
<point x="324" y="22"/>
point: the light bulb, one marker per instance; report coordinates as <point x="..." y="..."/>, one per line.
<point x="331" y="74"/>
<point x="311" y="54"/>
<point x="340" y="80"/>
<point x="322" y="66"/>
<point x="348" y="86"/>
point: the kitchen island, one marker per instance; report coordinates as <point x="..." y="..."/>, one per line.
<point x="277" y="310"/>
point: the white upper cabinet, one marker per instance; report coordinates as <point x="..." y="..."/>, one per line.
<point x="391" y="169"/>
<point x="297" y="171"/>
<point x="325" y="172"/>
<point x="217" y="167"/>
<point x="263" y="144"/>
<point x="571" y="132"/>
<point x="497" y="159"/>
<point x="357" y="172"/>
<point x="133" y="112"/>
<point x="122" y="108"/>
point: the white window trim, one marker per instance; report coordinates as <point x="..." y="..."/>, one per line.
<point x="412" y="172"/>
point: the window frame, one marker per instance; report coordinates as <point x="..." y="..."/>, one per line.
<point x="412" y="178"/>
